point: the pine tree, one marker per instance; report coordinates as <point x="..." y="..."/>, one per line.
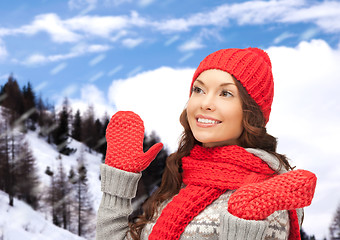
<point x="49" y="124"/>
<point x="5" y="178"/>
<point x="61" y="133"/>
<point x="46" y="119"/>
<point x="334" y="228"/>
<point x="97" y="138"/>
<point x="62" y="192"/>
<point x="76" y="126"/>
<point x="88" y="128"/>
<point x="85" y="213"/>
<point x="29" y="96"/>
<point x="10" y="142"/>
<point x="305" y="236"/>
<point x="51" y="198"/>
<point x="41" y="108"/>
<point x="3" y="160"/>
<point x="26" y="176"/>
<point x="73" y="179"/>
<point x="13" y="101"/>
<point x="29" y="100"/>
<point x="102" y="141"/>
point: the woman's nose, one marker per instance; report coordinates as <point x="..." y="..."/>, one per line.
<point x="208" y="103"/>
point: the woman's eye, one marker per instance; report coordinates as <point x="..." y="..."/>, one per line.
<point x="197" y="90"/>
<point x="226" y="94"/>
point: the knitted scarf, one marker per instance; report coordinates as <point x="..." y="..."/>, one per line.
<point x="208" y="173"/>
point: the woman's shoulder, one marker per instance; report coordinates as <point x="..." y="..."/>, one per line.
<point x="272" y="161"/>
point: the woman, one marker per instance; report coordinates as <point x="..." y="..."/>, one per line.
<point x="226" y="180"/>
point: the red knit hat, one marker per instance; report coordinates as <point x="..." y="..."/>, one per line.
<point x="251" y="66"/>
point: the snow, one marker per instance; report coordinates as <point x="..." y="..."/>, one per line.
<point x="46" y="155"/>
<point x="21" y="221"/>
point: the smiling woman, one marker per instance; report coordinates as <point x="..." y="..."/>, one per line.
<point x="226" y="180"/>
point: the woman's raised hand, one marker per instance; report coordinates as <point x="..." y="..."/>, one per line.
<point x="124" y="136"/>
<point x="288" y="191"/>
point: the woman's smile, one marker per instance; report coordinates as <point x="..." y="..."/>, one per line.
<point x="206" y="121"/>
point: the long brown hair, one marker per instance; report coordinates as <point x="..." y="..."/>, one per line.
<point x="254" y="135"/>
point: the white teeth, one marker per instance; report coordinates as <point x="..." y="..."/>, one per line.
<point x="203" y="120"/>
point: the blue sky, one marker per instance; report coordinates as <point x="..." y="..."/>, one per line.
<point x="54" y="43"/>
<point x="124" y="54"/>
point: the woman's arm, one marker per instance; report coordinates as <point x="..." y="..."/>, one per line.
<point x="118" y="187"/>
<point x="124" y="162"/>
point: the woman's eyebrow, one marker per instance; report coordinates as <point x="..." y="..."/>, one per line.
<point x="221" y="85"/>
<point x="226" y="84"/>
<point x="201" y="82"/>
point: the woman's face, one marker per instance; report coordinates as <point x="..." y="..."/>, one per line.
<point x="215" y="109"/>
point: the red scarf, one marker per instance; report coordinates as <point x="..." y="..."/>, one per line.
<point x="208" y="173"/>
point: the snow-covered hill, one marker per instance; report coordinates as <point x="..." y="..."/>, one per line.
<point x="21" y="221"/>
<point x="46" y="155"/>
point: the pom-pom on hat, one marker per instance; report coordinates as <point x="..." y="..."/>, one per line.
<point x="250" y="66"/>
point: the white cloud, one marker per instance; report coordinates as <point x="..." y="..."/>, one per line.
<point x="50" y="23"/>
<point x="171" y="40"/>
<point x="251" y="12"/>
<point x="115" y="70"/>
<point x="97" y="76"/>
<point x="91" y="95"/>
<point x="100" y="26"/>
<point x="191" y="45"/>
<point x="132" y="42"/>
<point x="76" y="51"/>
<point x="158" y="96"/>
<point x="70" y="90"/>
<point x="283" y="37"/>
<point x="93" y="48"/>
<point x="119" y="35"/>
<point x="185" y="57"/>
<point x="325" y="15"/>
<point x="134" y="71"/>
<point x="305" y="115"/>
<point x="58" y="68"/>
<point x="174" y="25"/>
<point x="36" y="59"/>
<point x="40" y="86"/>
<point x="97" y="60"/>
<point x="144" y="3"/>
<point x="309" y="34"/>
<point x="79" y="27"/>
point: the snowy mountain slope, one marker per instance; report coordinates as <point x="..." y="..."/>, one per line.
<point x="22" y="222"/>
<point x="46" y="155"/>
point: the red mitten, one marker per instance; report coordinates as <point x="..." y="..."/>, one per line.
<point x="288" y="191"/>
<point x="124" y="136"/>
